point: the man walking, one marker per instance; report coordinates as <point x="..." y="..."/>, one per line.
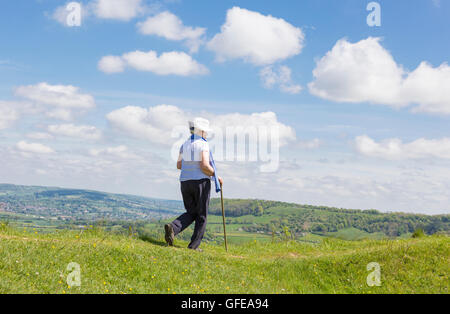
<point x="197" y="169"/>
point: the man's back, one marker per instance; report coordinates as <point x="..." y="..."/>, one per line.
<point x="191" y="152"/>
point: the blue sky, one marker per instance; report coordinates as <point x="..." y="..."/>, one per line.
<point x="382" y="144"/>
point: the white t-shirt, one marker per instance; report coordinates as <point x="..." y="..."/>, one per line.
<point x="191" y="152"/>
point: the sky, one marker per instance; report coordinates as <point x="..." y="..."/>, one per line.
<point x="91" y="100"/>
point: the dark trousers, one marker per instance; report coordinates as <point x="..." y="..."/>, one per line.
<point x="196" y="196"/>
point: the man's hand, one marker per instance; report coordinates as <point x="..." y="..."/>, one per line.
<point x="220" y="181"/>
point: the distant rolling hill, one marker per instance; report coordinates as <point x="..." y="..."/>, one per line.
<point x="50" y="207"/>
<point x="297" y="221"/>
<point x="60" y="204"/>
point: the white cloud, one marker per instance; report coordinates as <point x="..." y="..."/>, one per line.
<point x="169" y="26"/>
<point x="359" y="72"/>
<point x="256" y="38"/>
<point x="121" y="151"/>
<point x="84" y="132"/>
<point x="41" y="172"/>
<point x="36" y="148"/>
<point x="64" y="101"/>
<point x="309" y="144"/>
<point x="39" y="136"/>
<point x="111" y="64"/>
<point x="175" y="63"/>
<point x="154" y="124"/>
<point x="65" y="96"/>
<point x="395" y="149"/>
<point x="61" y="13"/>
<point x="8" y="114"/>
<point x="168" y="63"/>
<point x="429" y="88"/>
<point x="367" y="72"/>
<point x="61" y="114"/>
<point x="123" y="10"/>
<point x="291" y="89"/>
<point x="263" y="119"/>
<point x="157" y="123"/>
<point x="280" y="77"/>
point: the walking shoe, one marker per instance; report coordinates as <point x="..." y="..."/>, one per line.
<point x="169" y="234"/>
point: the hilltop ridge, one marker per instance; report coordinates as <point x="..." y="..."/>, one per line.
<point x="37" y="263"/>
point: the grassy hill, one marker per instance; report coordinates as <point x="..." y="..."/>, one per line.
<point x="356" y="234"/>
<point x="31" y="262"/>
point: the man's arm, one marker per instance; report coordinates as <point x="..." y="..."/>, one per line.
<point x="205" y="166"/>
<point x="180" y="162"/>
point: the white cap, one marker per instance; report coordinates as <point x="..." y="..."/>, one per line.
<point x="200" y="124"/>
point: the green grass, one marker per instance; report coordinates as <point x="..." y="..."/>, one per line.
<point x="36" y="263"/>
<point x="353" y="234"/>
<point x="244" y="237"/>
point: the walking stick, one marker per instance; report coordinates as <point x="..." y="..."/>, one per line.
<point x="223" y="216"/>
<point x="217" y="182"/>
